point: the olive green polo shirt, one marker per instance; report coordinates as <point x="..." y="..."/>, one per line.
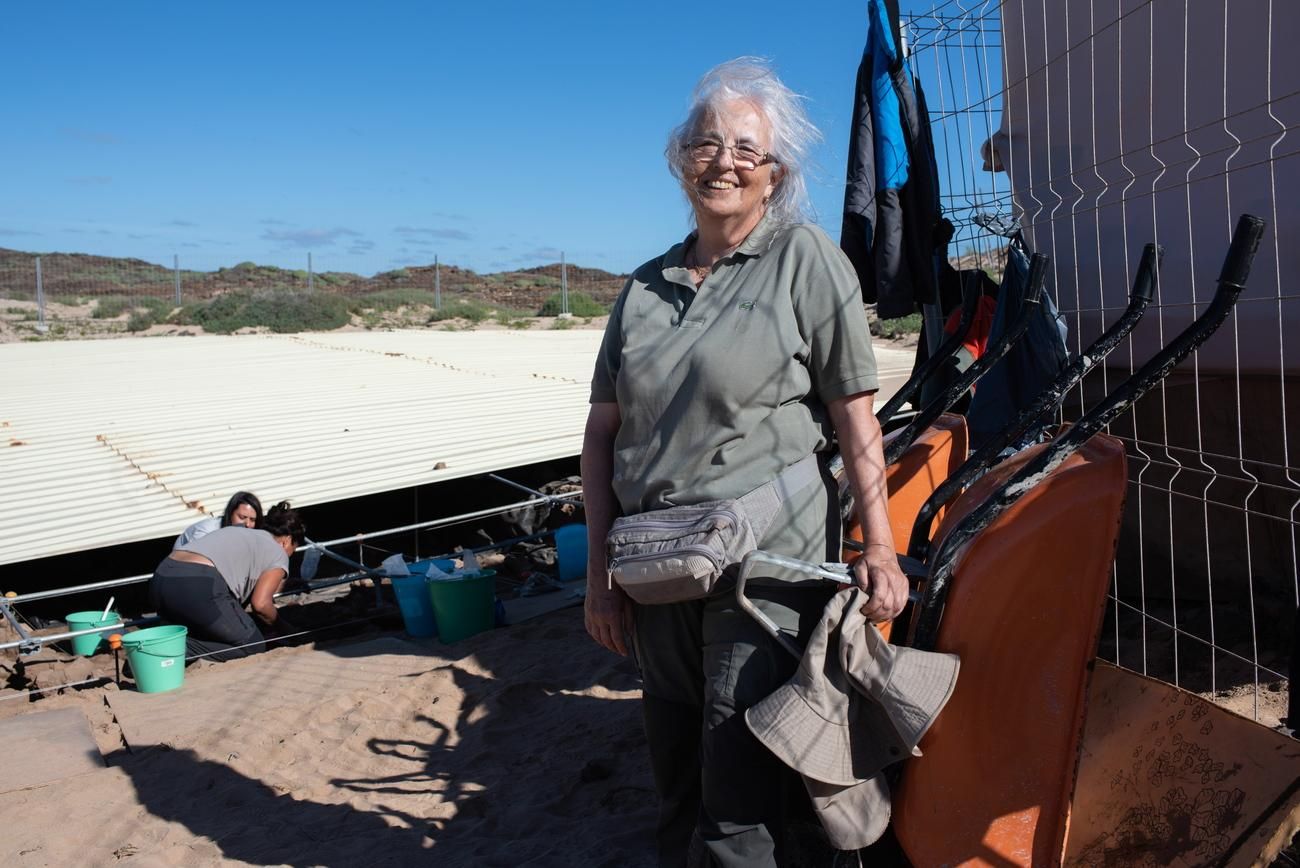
<point x="723" y="387"/>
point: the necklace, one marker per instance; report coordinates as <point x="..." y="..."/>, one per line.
<point x="700" y="271"/>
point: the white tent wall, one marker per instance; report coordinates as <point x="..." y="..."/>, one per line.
<point x="1103" y="125"/>
<point x="1127" y="121"/>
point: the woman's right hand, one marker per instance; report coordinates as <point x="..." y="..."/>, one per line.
<point x="608" y="614"/>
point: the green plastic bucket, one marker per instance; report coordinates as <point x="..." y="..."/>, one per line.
<point x="464" y="606"/>
<point x="89" y="644"/>
<point x="157" y="657"/>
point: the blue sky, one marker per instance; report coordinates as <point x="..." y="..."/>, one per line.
<point x="494" y="134"/>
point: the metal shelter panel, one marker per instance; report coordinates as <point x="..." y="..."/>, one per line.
<point x="111" y="442"/>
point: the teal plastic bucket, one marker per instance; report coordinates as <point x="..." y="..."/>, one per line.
<point x="571" y="551"/>
<point x="89" y="644"/>
<point x="157" y="657"/>
<point x="417" y="608"/>
<point x="464" y="606"/>
<point x="421" y="567"/>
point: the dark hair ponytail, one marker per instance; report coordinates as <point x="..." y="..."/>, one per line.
<point x="283" y="520"/>
<point x="238" y="499"/>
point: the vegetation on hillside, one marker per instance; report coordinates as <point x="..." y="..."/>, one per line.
<point x="580" y="304"/>
<point x="72" y="276"/>
<point x="280" y="311"/>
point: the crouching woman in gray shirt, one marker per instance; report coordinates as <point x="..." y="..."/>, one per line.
<point x="205" y="584"/>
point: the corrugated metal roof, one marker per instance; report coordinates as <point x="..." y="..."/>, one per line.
<point x="110" y="442"/>
<point x="115" y="441"/>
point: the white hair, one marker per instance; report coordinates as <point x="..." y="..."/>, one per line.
<point x="752" y="80"/>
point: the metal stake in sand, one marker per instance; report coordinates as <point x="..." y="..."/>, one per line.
<point x="115" y="642"/>
<point x="41" y="327"/>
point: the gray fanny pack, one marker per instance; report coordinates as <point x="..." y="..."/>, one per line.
<point x="679" y="553"/>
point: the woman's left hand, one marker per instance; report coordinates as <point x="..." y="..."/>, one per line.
<point x="877" y="572"/>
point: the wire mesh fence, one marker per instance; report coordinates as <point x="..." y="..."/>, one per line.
<point x="1099" y="126"/>
<point x="79" y="294"/>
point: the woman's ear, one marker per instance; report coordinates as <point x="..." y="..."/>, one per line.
<point x="778" y="173"/>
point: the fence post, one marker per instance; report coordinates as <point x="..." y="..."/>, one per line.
<point x="564" y="286"/>
<point x="176" y="270"/>
<point x="41" y="327"/>
<point x="310" y="282"/>
<point x="437" y="285"/>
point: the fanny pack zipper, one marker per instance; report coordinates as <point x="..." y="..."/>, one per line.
<point x="644" y="525"/>
<point x="704" y="551"/>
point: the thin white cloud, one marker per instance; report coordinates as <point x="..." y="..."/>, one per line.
<point x="547" y="254"/>
<point x="309" y="237"/>
<point x="446" y="234"/>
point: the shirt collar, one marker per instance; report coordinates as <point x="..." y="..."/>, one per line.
<point x="756" y="243"/>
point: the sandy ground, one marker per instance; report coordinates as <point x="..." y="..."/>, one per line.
<point x="521" y="746"/>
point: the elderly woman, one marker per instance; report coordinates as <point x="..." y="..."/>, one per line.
<point x="728" y="359"/>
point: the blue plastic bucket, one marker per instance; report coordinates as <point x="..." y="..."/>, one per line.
<point x="571" y="551"/>
<point x="89" y="644"/>
<point x="464" y="606"/>
<point x="417" y="609"/>
<point x="157" y="657"/>
<point x="421" y="567"/>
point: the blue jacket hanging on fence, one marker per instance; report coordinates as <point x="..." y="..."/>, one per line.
<point x="891" y="200"/>
<point x="1028" y="368"/>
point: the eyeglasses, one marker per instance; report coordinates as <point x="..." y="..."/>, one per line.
<point x="745" y="155"/>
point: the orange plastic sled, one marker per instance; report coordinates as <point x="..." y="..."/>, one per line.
<point x="939" y="451"/>
<point x="1025" y="606"/>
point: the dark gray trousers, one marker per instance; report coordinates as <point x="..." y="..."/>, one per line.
<point x="196" y="596"/>
<point x="704" y="662"/>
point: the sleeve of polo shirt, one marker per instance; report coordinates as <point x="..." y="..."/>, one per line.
<point x="610" y="356"/>
<point x="828" y="306"/>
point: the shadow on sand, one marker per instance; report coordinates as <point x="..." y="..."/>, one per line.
<point x="526" y="747"/>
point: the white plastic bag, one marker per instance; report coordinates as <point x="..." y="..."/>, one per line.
<point x="469" y="562"/>
<point x="395" y="565"/>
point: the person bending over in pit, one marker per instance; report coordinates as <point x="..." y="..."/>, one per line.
<point x="243" y="509"/>
<point x="205" y="585"/>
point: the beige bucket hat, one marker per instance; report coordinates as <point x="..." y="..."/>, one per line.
<point x="857" y="703"/>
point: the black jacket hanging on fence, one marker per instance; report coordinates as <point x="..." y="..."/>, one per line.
<point x="1028" y="368"/>
<point x="891" y="200"/>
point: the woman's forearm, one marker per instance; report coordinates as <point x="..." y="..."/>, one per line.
<point x="267" y="613"/>
<point x="861" y="446"/>
<point x="597" y="470"/>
